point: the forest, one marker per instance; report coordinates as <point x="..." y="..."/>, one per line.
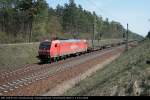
<point x="35" y="20"/>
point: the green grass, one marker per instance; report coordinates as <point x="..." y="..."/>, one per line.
<point x="13" y="56"/>
<point x="128" y="75"/>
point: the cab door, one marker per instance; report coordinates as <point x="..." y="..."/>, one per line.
<point x="57" y="48"/>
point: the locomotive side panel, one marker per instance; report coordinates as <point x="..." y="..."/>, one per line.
<point x="65" y="48"/>
<point x="72" y="47"/>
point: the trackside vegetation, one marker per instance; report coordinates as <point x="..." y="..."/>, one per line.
<point x="13" y="56"/>
<point x="127" y="76"/>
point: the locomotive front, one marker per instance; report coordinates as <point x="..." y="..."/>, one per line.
<point x="44" y="50"/>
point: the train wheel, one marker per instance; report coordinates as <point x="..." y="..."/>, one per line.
<point x="49" y="61"/>
<point x="62" y="57"/>
<point x="55" y="59"/>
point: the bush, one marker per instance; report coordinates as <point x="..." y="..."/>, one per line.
<point x="3" y="37"/>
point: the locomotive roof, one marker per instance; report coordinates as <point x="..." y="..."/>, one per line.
<point x="66" y="40"/>
<point x="70" y="40"/>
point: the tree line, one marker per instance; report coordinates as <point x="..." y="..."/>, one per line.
<point x="34" y="20"/>
<point x="148" y="35"/>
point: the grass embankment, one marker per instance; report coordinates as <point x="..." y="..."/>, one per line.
<point x="128" y="75"/>
<point x="13" y="56"/>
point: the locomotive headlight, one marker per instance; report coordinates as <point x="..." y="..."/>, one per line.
<point x="47" y="51"/>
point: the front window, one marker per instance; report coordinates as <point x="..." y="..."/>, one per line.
<point x="45" y="45"/>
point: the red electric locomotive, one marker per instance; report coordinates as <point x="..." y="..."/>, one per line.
<point x="51" y="50"/>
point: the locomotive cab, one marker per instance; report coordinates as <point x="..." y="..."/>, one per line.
<point x="44" y="50"/>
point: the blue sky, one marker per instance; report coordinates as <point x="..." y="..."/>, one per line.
<point x="134" y="12"/>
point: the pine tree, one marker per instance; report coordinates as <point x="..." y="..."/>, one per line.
<point x="148" y="35"/>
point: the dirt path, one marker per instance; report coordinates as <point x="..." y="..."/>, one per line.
<point x="66" y="85"/>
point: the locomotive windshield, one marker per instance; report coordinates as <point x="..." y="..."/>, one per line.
<point x="45" y="45"/>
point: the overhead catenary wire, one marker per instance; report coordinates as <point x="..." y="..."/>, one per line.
<point x="92" y="3"/>
<point x="104" y="12"/>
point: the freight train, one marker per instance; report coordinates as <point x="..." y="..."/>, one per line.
<point x="54" y="50"/>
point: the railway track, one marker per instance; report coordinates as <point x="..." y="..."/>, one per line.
<point x="10" y="81"/>
<point x="33" y="68"/>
